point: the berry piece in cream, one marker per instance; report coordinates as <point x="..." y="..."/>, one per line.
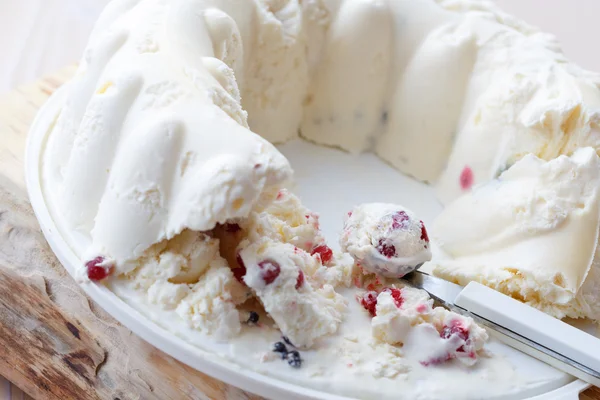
<point x="385" y="239"/>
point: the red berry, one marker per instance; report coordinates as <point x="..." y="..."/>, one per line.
<point x="232" y="228"/>
<point x="300" y="279"/>
<point x="324" y="252"/>
<point x="455" y="328"/>
<point x="239" y="260"/>
<point x="399" y="220"/>
<point x="422" y="308"/>
<point x="387" y="250"/>
<point x="437" y="361"/>
<point x="239" y="272"/>
<point x="466" y="178"/>
<point x="96" y="271"/>
<point x="396" y="295"/>
<point x="424" y="235"/>
<point x="270" y="270"/>
<point x="369" y="302"/>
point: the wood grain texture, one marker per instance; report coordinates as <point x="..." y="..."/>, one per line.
<point x="58" y="344"/>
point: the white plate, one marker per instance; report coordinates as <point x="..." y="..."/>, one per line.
<point x="330" y="182"/>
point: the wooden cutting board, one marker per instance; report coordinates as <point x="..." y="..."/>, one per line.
<point x="55" y="343"/>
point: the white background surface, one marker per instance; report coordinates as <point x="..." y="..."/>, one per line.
<point x="40" y="36"/>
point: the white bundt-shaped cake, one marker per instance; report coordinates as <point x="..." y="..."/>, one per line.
<point x="159" y="135"/>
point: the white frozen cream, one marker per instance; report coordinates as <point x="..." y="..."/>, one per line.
<point x="167" y="269"/>
<point x="405" y="316"/>
<point x="397" y="311"/>
<point x="155" y="131"/>
<point x="211" y="304"/>
<point x="133" y="158"/>
<point x="188" y="276"/>
<point x="302" y="309"/>
<point x="531" y="233"/>
<point x="286" y="220"/>
<point x="386" y="239"/>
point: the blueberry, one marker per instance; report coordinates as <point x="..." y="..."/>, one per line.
<point x="253" y="317"/>
<point x="279" y="347"/>
<point x="294" y="359"/>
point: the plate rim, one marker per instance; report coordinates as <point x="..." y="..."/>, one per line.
<point x="192" y="355"/>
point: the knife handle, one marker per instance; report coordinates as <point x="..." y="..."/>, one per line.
<point x="534" y="332"/>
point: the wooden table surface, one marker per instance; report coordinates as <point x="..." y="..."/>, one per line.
<point x="56" y="343"/>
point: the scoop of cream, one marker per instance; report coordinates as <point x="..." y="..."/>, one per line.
<point x="386" y="239"/>
<point x="431" y="335"/>
<point x="532" y="233"/>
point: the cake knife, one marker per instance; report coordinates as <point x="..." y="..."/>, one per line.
<point x="525" y="328"/>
